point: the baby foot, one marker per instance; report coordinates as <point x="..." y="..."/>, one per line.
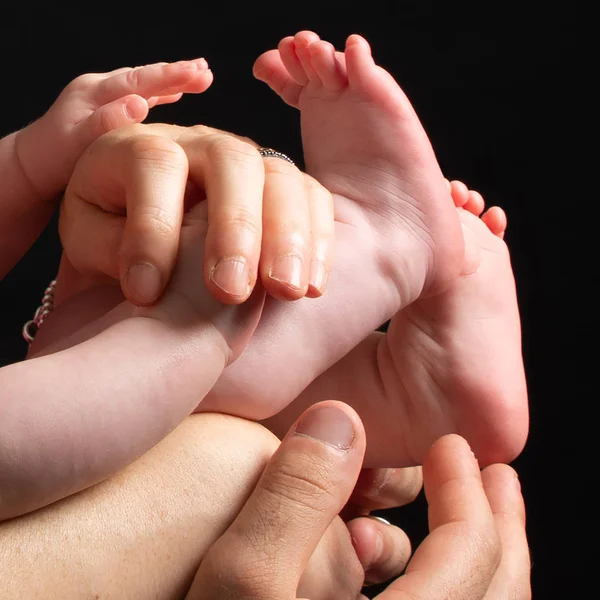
<point x="457" y="356"/>
<point x="397" y="233"/>
<point x="94" y="104"/>
<point x="451" y="361"/>
<point x="363" y="141"/>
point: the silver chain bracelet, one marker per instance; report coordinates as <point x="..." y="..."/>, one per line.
<point x="31" y="327"/>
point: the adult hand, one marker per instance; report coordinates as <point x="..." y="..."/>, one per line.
<point x="477" y="548"/>
<point x="287" y="539"/>
<point x="123" y="208"/>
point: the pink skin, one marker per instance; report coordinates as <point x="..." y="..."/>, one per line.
<point x="451" y="361"/>
<point x="94" y="104"/>
<point x="460" y="351"/>
<point x="441" y="339"/>
<point x="395" y="241"/>
<point x="160" y="360"/>
<point x="454" y="359"/>
<point x="37" y="161"/>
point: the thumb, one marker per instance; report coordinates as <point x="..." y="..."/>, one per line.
<point x="305" y="485"/>
<point x="114" y="115"/>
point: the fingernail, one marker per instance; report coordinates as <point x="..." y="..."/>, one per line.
<point x="318" y="275"/>
<point x="142" y="283"/>
<point x="380" y="519"/>
<point x="288" y="270"/>
<point x="136" y="108"/>
<point x="232" y="276"/>
<point x="328" y="424"/>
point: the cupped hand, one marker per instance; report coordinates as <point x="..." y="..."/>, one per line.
<point x="477" y="548"/>
<point x="122" y="213"/>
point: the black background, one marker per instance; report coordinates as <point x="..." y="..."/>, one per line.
<point x="501" y="89"/>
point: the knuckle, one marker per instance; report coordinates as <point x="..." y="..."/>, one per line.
<point x="241" y="573"/>
<point x="157" y="152"/>
<point x="276" y="167"/>
<point x="316" y="189"/>
<point x="243" y="219"/>
<point x="304" y="482"/>
<point x="107" y="121"/>
<point x="83" y="82"/>
<point x="154" y="221"/>
<point x="132" y="77"/>
<point x="202" y="130"/>
<point x="226" y="148"/>
<point x="129" y="131"/>
<point x="247" y="140"/>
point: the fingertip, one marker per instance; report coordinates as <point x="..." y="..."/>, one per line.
<point x="331" y="422"/>
<point x="503" y="490"/>
<point x="382" y="548"/>
<point x="142" y="284"/>
<point x="286" y="278"/>
<point x="136" y="108"/>
<point x="230" y="280"/>
<point x="317" y="279"/>
<point x="357" y="40"/>
<point x="452" y="446"/>
<point x="366" y="541"/>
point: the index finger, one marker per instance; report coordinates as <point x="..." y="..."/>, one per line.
<point x="512" y="579"/>
<point x="461" y="554"/>
<point x="161" y="79"/>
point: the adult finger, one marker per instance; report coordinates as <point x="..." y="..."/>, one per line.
<point x="285" y="252"/>
<point x="123" y="209"/>
<point x="378" y="489"/>
<point x="512" y="579"/>
<point x="322" y="227"/>
<point x="333" y="571"/>
<point x="234" y="190"/>
<point x="382" y="549"/>
<point x="306" y="483"/>
<point x="461" y="554"/>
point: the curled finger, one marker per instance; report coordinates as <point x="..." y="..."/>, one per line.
<point x="382" y="549"/>
<point x="234" y="190"/>
<point x="286" y="247"/>
<point x="123" y="209"/>
<point x="322" y="226"/>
